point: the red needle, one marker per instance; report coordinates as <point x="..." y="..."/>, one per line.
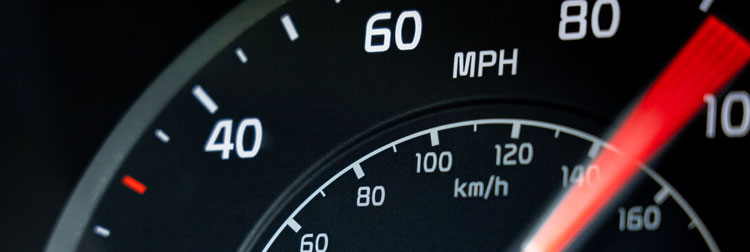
<point x="713" y="55"/>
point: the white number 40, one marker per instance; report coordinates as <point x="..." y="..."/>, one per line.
<point x="224" y="127"/>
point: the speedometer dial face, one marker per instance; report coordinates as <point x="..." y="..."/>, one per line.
<point x="422" y="125"/>
<point x="473" y="184"/>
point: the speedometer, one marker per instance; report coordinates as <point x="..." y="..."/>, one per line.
<point x="315" y="126"/>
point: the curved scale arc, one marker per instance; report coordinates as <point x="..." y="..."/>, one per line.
<point x="501" y="121"/>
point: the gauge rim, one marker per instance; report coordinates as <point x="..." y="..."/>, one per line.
<point x="98" y="174"/>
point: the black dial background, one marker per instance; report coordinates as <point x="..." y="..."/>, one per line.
<point x="68" y="72"/>
<point x="63" y="94"/>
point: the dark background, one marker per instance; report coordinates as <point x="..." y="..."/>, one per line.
<point x="68" y="72"/>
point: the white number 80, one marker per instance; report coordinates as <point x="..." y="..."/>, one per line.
<point x="580" y="19"/>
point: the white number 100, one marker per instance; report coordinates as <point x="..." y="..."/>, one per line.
<point x="729" y="128"/>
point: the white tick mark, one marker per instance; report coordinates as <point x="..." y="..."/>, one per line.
<point x="101" y="231"/>
<point x="286" y="20"/>
<point x="204" y="99"/>
<point x="161" y="135"/>
<point x="358" y="171"/>
<point x="434" y="140"/>
<point x="515" y="132"/>
<point x="661" y="196"/>
<point x="241" y="55"/>
<point x="705" y="4"/>
<point x="294" y="225"/>
<point x="596" y="146"/>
